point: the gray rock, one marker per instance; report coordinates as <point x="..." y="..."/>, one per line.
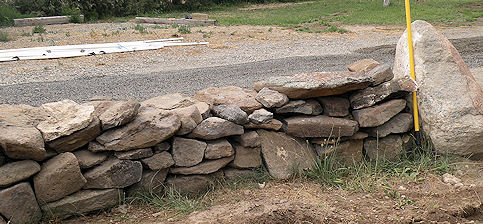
<point x="150" y="127"/>
<point x="284" y="155"/>
<point x="134" y="154"/>
<point x="21" y="115"/>
<point x="169" y="101"/>
<point x="190" y="117"/>
<point x="334" y="106"/>
<point x="320" y="126"/>
<point x="381" y="73"/>
<point x="192" y="184"/>
<point x="114" y="173"/>
<point x="188" y="152"/>
<point x="206" y="167"/>
<point x="161" y="147"/>
<point x="22" y="142"/>
<point x="17" y="171"/>
<point x="232" y="174"/>
<point x="204" y="109"/>
<point x="309" y="107"/>
<point x="347" y="152"/>
<point x="88" y="159"/>
<point x="372" y="95"/>
<point x="77" y="139"/>
<point x="273" y="124"/>
<point x="379" y="114"/>
<point x="64" y="118"/>
<point x="400" y="123"/>
<point x="83" y="202"/>
<point x="18" y="204"/>
<point x="230" y="112"/>
<point x="449" y="98"/>
<point x="246" y="157"/>
<point x="387" y="148"/>
<point x="270" y="98"/>
<point x="218" y="149"/>
<point x="158" y="161"/>
<point x="363" y="65"/>
<point x="215" y="127"/>
<point x="311" y="85"/>
<point x="59" y="177"/>
<point x="152" y="182"/>
<point x="260" y="116"/>
<point x="243" y="98"/>
<point x="248" y="139"/>
<point x="115" y="113"/>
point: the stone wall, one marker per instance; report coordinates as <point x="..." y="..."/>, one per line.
<point x="66" y="158"/>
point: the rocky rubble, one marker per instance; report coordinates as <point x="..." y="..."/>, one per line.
<point x="66" y="159"/>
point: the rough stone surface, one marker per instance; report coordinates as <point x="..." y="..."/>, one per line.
<point x="115" y="113"/>
<point x="334" y="106"/>
<point x="232" y="174"/>
<point x="134" y="154"/>
<point x="22" y="142"/>
<point x="381" y="73"/>
<point x="309" y="107"/>
<point x="273" y="124"/>
<point x="206" y="167"/>
<point x="284" y="154"/>
<point x="363" y="65"/>
<point x="17" y="171"/>
<point x="114" y="173"/>
<point x="64" y="118"/>
<point x="320" y="126"/>
<point x="400" y="123"/>
<point x="204" y="109"/>
<point x="260" y="116"/>
<point x="389" y="147"/>
<point x="21" y="115"/>
<point x="218" y="149"/>
<point x="83" y="202"/>
<point x="158" y="161"/>
<point x="161" y="147"/>
<point x="379" y="114"/>
<point x="347" y="152"/>
<point x="2" y="221"/>
<point x="246" y="157"/>
<point x="190" y="117"/>
<point x="248" y="139"/>
<point x="372" y="95"/>
<point x="151" y="182"/>
<point x="215" y="127"/>
<point x="18" y="204"/>
<point x="188" y="152"/>
<point x="3" y="158"/>
<point x="243" y="98"/>
<point x="192" y="184"/>
<point x="88" y="159"/>
<point x="271" y="98"/>
<point x="230" y="112"/>
<point x="169" y="101"/>
<point x="59" y="177"/>
<point x="150" y="127"/>
<point x="303" y="86"/>
<point x="450" y="99"/>
<point x="77" y="139"/>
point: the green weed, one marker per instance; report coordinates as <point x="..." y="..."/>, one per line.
<point x="184" y="29"/>
<point x="39" y="29"/>
<point x="141" y="29"/>
<point x="4" y="37"/>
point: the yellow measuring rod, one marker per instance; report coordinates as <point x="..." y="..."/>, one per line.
<point x="413" y="75"/>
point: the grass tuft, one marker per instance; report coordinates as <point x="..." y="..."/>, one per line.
<point x="141" y="29"/>
<point x="4" y="37"/>
<point x="184" y="29"/>
<point x="39" y="29"/>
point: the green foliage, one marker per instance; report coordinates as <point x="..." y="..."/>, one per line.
<point x="39" y="29"/>
<point x="141" y="29"/>
<point x="4" y="37"/>
<point x="184" y="29"/>
<point x="7" y="14"/>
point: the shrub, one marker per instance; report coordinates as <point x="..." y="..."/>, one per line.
<point x="7" y="14"/>
<point x="184" y="29"/>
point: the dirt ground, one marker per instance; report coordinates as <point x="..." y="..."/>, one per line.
<point x="428" y="200"/>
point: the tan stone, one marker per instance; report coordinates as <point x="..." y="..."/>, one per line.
<point x="243" y="98"/>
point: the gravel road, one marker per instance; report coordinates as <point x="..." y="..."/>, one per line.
<point x="239" y="64"/>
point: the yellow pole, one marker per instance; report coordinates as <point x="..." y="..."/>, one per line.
<point x="413" y="75"/>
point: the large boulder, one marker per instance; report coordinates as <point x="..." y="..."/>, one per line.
<point x="320" y="126"/>
<point x="59" y="177"/>
<point x="303" y="86"/>
<point x="114" y="173"/>
<point x="83" y="202"/>
<point x="77" y="139"/>
<point x="64" y="118"/>
<point x="17" y="171"/>
<point x="215" y="127"/>
<point x="378" y="114"/>
<point x="114" y="113"/>
<point x="150" y="127"/>
<point x="188" y="152"/>
<point x="18" y="204"/>
<point x="243" y="98"/>
<point x="285" y="155"/>
<point x="20" y="142"/>
<point x="206" y="167"/>
<point x="449" y="98"/>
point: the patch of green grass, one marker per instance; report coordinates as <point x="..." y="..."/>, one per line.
<point x="8" y="13"/>
<point x="39" y="29"/>
<point x="4" y="37"/>
<point x="141" y="29"/>
<point x="184" y="29"/>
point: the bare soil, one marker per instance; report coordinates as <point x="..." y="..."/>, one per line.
<point x="400" y="200"/>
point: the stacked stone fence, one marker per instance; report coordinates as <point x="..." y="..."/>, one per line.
<point x="65" y="158"/>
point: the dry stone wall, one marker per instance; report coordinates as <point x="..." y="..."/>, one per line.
<point x="66" y="158"/>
